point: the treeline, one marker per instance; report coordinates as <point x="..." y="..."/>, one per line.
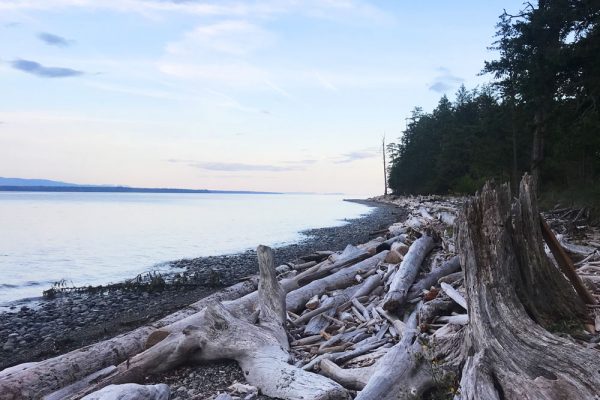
<point x="541" y="112"/>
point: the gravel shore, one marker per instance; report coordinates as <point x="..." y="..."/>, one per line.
<point x="75" y="319"/>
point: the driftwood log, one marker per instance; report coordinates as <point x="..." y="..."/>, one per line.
<point x="408" y="271"/>
<point x="34" y="380"/>
<point x="260" y="348"/>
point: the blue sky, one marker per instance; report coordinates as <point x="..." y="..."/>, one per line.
<point x="284" y="95"/>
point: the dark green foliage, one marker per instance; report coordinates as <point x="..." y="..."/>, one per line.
<point x="540" y="114"/>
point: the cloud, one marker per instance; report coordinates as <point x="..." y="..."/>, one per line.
<point x="54" y="40"/>
<point x="302" y="162"/>
<point x="445" y="81"/>
<point x="233" y="37"/>
<point x="356" y="155"/>
<point x="441" y="87"/>
<point x="223" y="166"/>
<point x="34" y="68"/>
<point x="326" y="83"/>
<point x="235" y="167"/>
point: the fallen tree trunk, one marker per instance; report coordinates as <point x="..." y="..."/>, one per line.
<point x="403" y="373"/>
<point x="406" y="274"/>
<point x="33" y="380"/>
<point x="513" y="294"/>
<point x="565" y="263"/>
<point x="431" y="279"/>
<point x="261" y="349"/>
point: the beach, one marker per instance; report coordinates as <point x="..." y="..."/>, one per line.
<point x="78" y="318"/>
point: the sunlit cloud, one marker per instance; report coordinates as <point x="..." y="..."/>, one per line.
<point x="235" y="166"/>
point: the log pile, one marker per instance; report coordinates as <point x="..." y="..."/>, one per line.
<point x="394" y="318"/>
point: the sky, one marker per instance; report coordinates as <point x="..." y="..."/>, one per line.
<point x="272" y="95"/>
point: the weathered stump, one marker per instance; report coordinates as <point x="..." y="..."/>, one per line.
<point x="514" y="295"/>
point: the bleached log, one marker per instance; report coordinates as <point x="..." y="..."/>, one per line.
<point x="303" y="266"/>
<point x="431" y="279"/>
<point x="339" y="280"/>
<point x="408" y="271"/>
<point x="368" y="286"/>
<point x="403" y="372"/>
<point x="434" y="308"/>
<point x="577" y="249"/>
<point x="260" y="349"/>
<point x="461" y="319"/>
<point x="318" y="320"/>
<point x="353" y="378"/>
<point x="451" y="278"/>
<point x="34" y="380"/>
<point x="80" y="385"/>
<point x="348" y="258"/>
<point x="454" y="295"/>
<point x="394" y="320"/>
<point x="131" y="391"/>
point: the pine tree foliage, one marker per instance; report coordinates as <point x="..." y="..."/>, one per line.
<point x="540" y="113"/>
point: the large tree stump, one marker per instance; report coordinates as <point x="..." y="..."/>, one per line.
<point x="514" y="294"/>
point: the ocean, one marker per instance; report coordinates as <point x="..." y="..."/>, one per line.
<point x="98" y="238"/>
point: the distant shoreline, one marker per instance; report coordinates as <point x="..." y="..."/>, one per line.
<point x="120" y="189"/>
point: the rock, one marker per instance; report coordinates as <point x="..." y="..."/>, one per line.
<point x="282" y="269"/>
<point x="8" y="346"/>
<point x="400" y="248"/>
<point x="243" y="389"/>
<point x="393" y="257"/>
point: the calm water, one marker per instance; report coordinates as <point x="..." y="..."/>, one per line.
<point x="96" y="238"/>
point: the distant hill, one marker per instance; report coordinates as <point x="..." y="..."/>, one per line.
<point x="45" y="185"/>
<point x="33" y="182"/>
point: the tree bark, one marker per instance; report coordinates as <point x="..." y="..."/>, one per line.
<point x="514" y="293"/>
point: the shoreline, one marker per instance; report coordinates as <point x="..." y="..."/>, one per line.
<point x="76" y="319"/>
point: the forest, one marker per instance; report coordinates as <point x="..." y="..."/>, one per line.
<point x="539" y="113"/>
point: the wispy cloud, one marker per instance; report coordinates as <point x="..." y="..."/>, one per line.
<point x="302" y="162"/>
<point x="234" y="37"/>
<point x="54" y="40"/>
<point x="235" y="167"/>
<point x="445" y="81"/>
<point x="326" y="83"/>
<point x="35" y="68"/>
<point x="278" y="89"/>
<point x="356" y="155"/>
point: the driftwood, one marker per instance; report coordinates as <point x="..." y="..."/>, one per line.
<point x="333" y="316"/>
<point x="131" y="391"/>
<point x="352" y="378"/>
<point x="565" y="263"/>
<point x="508" y="278"/>
<point x="432" y="278"/>
<point x="261" y="349"/>
<point x="403" y="373"/>
<point x="408" y="271"/>
<point x="33" y="380"/>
